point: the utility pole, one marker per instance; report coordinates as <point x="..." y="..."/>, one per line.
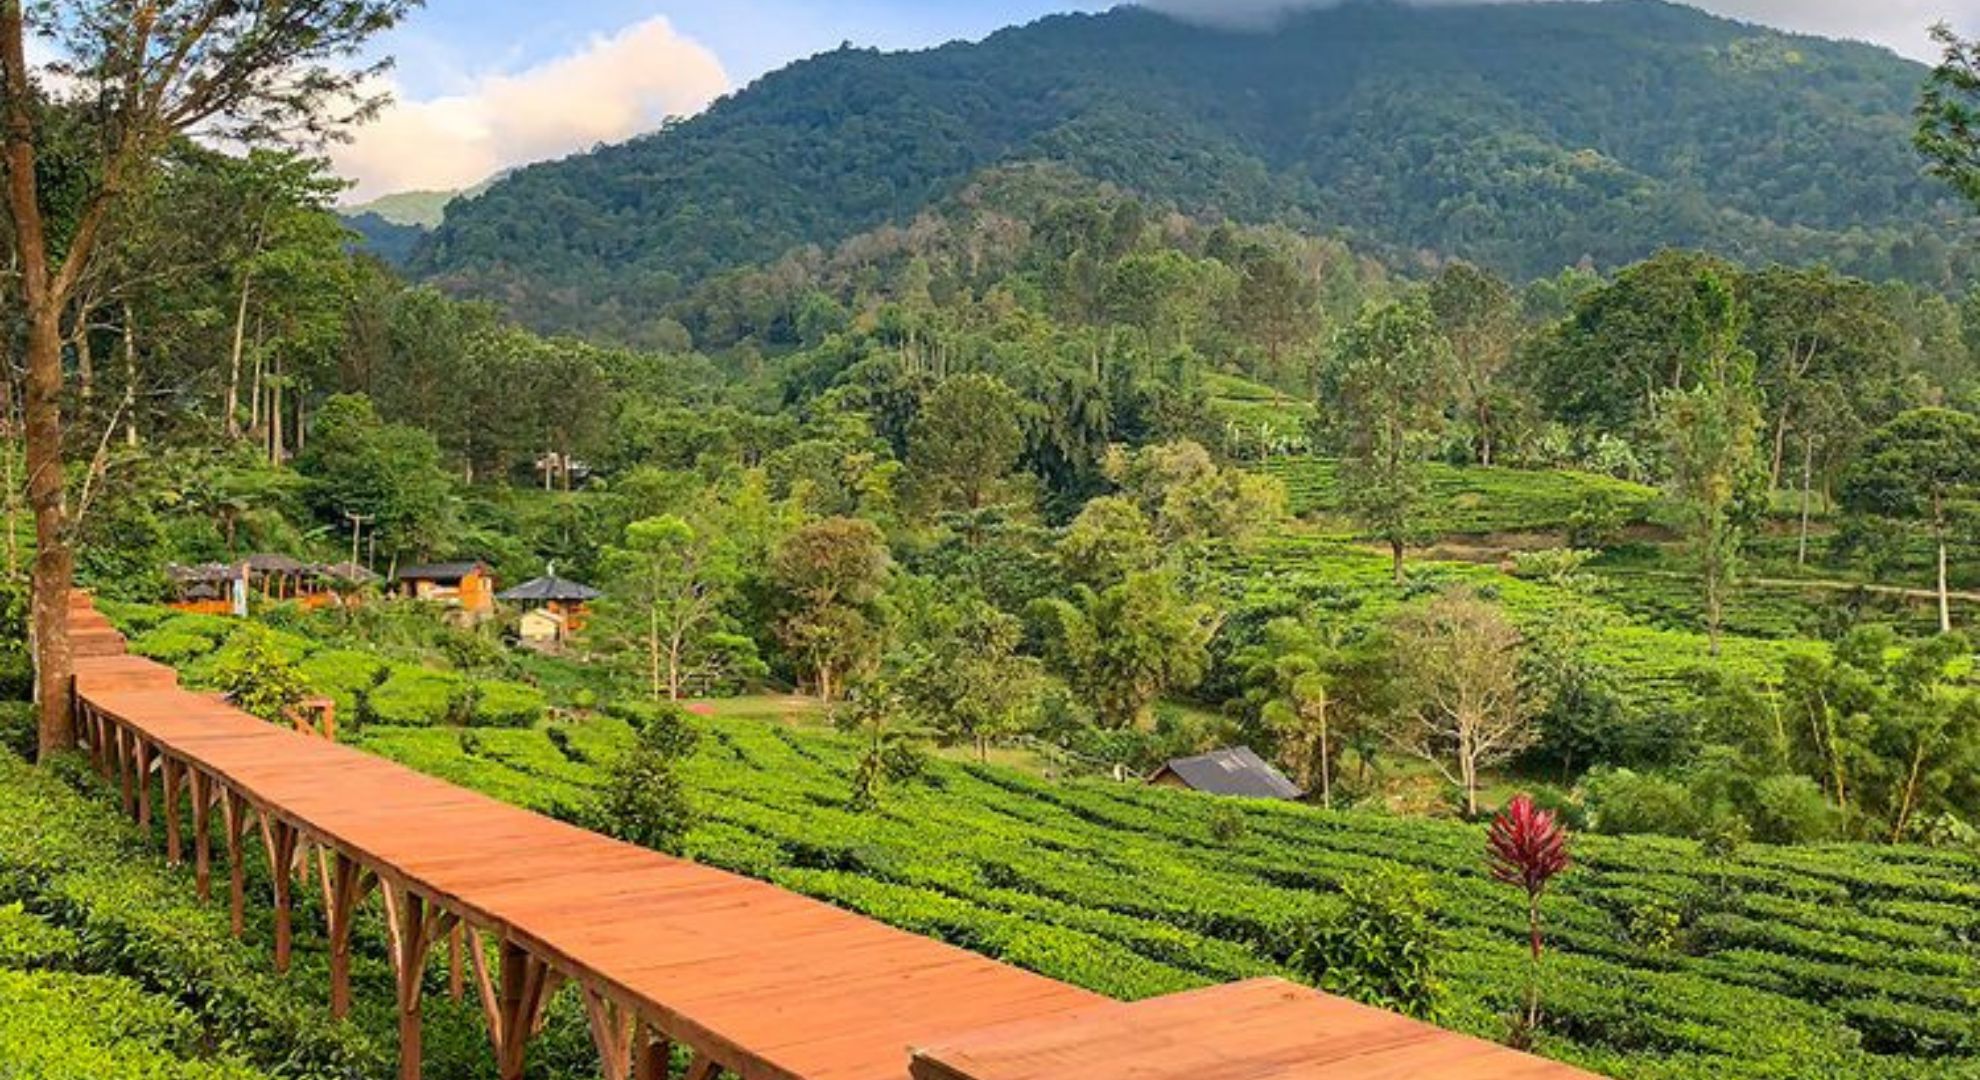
<point x="358" y="522"/>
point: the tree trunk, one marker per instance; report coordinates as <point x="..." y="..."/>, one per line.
<point x="1807" y="498"/>
<point x="130" y="378"/>
<point x="653" y="652"/>
<point x="42" y="299"/>
<point x="233" y="425"/>
<point x="1939" y="535"/>
<point x="1396" y="556"/>
<point x="1780" y="451"/>
<point x="275" y="439"/>
<point x="1326" y="771"/>
<point x="54" y="564"/>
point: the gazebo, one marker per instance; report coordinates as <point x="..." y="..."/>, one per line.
<point x="554" y="607"/>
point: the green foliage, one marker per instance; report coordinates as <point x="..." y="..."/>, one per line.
<point x="418" y="697"/>
<point x="506" y="704"/>
<point x="644" y="800"/>
<point x="257" y="676"/>
<point x="357" y="464"/>
<point x="1382" y="396"/>
<point x="346" y="676"/>
<point x="1383" y="949"/>
<point x="1124" y="647"/>
<point x="159" y="987"/>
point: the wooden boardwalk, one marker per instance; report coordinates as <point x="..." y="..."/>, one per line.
<point x="750" y="979"/>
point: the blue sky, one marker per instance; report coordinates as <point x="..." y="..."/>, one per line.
<point x="449" y="39"/>
<point x="484" y="85"/>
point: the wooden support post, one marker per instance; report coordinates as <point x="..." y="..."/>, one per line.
<point x="514" y="1009"/>
<point x="652" y="1054"/>
<point x="456" y="974"/>
<point x="612" y="1029"/>
<point x="234" y="809"/>
<point x="344" y="886"/>
<point x="125" y="778"/>
<point x="201" y="792"/>
<point x="174" y="847"/>
<point x="702" y="1067"/>
<point x="412" y="925"/>
<point x="280" y="838"/>
<point x="143" y="753"/>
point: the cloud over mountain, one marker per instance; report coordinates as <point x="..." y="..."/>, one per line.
<point x="614" y="87"/>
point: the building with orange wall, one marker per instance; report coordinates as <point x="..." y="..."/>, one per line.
<point x="469" y="585"/>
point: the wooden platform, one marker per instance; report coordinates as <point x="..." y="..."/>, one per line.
<point x="754" y="980"/>
<point x="1264" y="1029"/>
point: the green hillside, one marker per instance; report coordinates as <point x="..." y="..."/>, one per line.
<point x="1526" y="137"/>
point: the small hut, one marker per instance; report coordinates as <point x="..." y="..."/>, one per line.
<point x="553" y="608"/>
<point x="1237" y="771"/>
<point x="209" y="588"/>
<point x="277" y="577"/>
<point x="468" y="585"/>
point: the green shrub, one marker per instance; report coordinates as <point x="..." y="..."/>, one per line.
<point x="27" y="941"/>
<point x="71" y="861"/>
<point x="645" y="801"/>
<point x="259" y="673"/>
<point x="1384" y="950"/>
<point x="346" y="677"/>
<point x="1791" y="809"/>
<point x="63" y="1026"/>
<point x="173" y="645"/>
<point x="506" y="704"/>
<point x="418" y="697"/>
<point x="19" y="728"/>
<point x="1620" y="801"/>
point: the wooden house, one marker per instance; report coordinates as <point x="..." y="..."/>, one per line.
<point x="468" y="585"/>
<point x="553" y="608"/>
<point x="1236" y="771"/>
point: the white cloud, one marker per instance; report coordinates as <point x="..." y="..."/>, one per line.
<point x="614" y="87"/>
<point x="1899" y="24"/>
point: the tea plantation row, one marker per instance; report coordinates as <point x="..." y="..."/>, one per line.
<point x="1802" y="962"/>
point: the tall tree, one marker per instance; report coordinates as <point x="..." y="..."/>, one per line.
<point x="1383" y="395"/>
<point x="964" y="443"/>
<point x="1464" y="707"/>
<point x="1916" y="469"/>
<point x="148" y="72"/>
<point x="1948" y="113"/>
<point x="829" y="574"/>
<point x="666" y="587"/>
<point x="1711" y="434"/>
<point x="1479" y="315"/>
<point x="1124" y="647"/>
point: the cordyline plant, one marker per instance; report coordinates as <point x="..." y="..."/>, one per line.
<point x="1527" y="848"/>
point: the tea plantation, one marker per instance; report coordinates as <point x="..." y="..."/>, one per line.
<point x="1773" y="962"/>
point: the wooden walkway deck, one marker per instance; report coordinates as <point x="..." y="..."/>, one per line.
<point x="751" y="979"/>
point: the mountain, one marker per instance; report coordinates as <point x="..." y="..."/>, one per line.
<point x="1525" y="137"/>
<point x="422" y="209"/>
<point x="391" y="226"/>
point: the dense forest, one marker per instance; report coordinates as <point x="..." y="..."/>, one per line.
<point x="1522" y="137"/>
<point x="943" y="490"/>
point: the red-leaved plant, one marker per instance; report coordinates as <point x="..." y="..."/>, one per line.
<point x="1527" y="848"/>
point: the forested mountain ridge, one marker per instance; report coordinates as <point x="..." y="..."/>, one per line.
<point x="1526" y="137"/>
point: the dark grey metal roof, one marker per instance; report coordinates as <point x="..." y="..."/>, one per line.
<point x="1235" y="770"/>
<point x="446" y="571"/>
<point x="274" y="564"/>
<point x="548" y="588"/>
<point x="204" y="572"/>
